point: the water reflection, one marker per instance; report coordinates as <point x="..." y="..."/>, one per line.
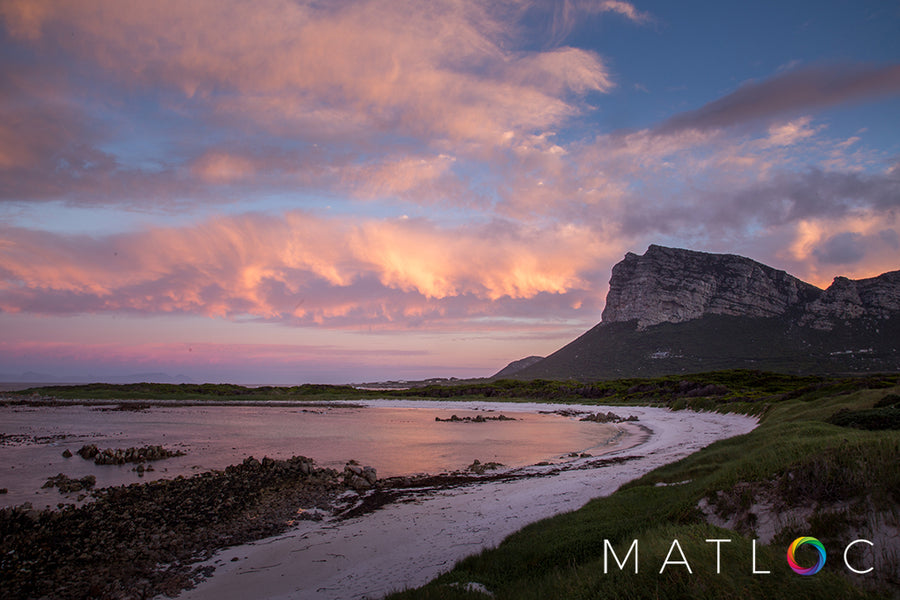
<point x="396" y="441"/>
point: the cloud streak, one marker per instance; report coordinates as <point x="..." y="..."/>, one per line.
<point x="789" y="93"/>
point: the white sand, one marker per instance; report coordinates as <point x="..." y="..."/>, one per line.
<point x="407" y="544"/>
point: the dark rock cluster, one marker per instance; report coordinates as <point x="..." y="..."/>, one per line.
<point x="121" y="456"/>
<point x="68" y="484"/>
<point x="609" y="417"/>
<point x="359" y="478"/>
<point x="479" y="467"/>
<point x="141" y="540"/>
<point x="475" y="419"/>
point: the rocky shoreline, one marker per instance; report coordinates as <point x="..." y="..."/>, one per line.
<point x="141" y="540"/>
<point x="146" y="539"/>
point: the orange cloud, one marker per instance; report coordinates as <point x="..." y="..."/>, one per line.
<point x="860" y="245"/>
<point x="302" y="269"/>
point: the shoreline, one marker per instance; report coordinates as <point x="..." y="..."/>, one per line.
<point x="410" y="540"/>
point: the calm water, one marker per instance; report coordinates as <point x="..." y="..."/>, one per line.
<point x="396" y="441"/>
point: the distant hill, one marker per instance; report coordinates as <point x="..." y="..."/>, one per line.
<point x="680" y="311"/>
<point x="516" y="366"/>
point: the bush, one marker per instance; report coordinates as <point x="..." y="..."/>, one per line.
<point x="873" y="419"/>
<point x="888" y="401"/>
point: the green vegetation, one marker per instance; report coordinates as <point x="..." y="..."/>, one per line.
<point x="845" y="478"/>
<point x="739" y="390"/>
<point x="872" y="419"/>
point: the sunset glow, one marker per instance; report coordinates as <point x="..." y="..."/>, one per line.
<point x="292" y="191"/>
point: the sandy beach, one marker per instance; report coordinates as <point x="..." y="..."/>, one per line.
<point x="405" y="544"/>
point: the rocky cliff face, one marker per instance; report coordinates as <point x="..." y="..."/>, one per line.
<point x="670" y="285"/>
<point x="846" y="300"/>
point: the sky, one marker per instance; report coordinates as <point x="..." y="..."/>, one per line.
<point x="333" y="191"/>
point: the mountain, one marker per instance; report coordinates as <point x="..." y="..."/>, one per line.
<point x="516" y="366"/>
<point x="679" y="311"/>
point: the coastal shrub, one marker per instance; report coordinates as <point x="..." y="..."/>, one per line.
<point x="712" y="390"/>
<point x="891" y="400"/>
<point x="873" y="419"/>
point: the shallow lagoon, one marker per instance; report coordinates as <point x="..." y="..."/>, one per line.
<point x="396" y="440"/>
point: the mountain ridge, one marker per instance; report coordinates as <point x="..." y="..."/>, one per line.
<point x="673" y="310"/>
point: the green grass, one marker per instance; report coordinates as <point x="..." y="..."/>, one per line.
<point x="795" y="455"/>
<point x="746" y="391"/>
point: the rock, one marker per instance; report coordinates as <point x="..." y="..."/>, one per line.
<point x="120" y="456"/>
<point x="359" y="478"/>
<point x="67" y="453"/>
<point x="671" y="285"/>
<point x="479" y="468"/>
<point x="88" y="451"/>
<point x="609" y="417"/>
<point x="358" y="483"/>
<point x="370" y="475"/>
<point x="67" y="484"/>
<point x="874" y="298"/>
<point x="475" y="419"/>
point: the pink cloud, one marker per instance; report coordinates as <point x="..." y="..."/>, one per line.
<point x="437" y="68"/>
<point x="302" y="269"/>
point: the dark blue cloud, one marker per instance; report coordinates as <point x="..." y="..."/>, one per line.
<point x="790" y="93"/>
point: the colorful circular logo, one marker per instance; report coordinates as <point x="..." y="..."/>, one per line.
<point x="792" y="549"/>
